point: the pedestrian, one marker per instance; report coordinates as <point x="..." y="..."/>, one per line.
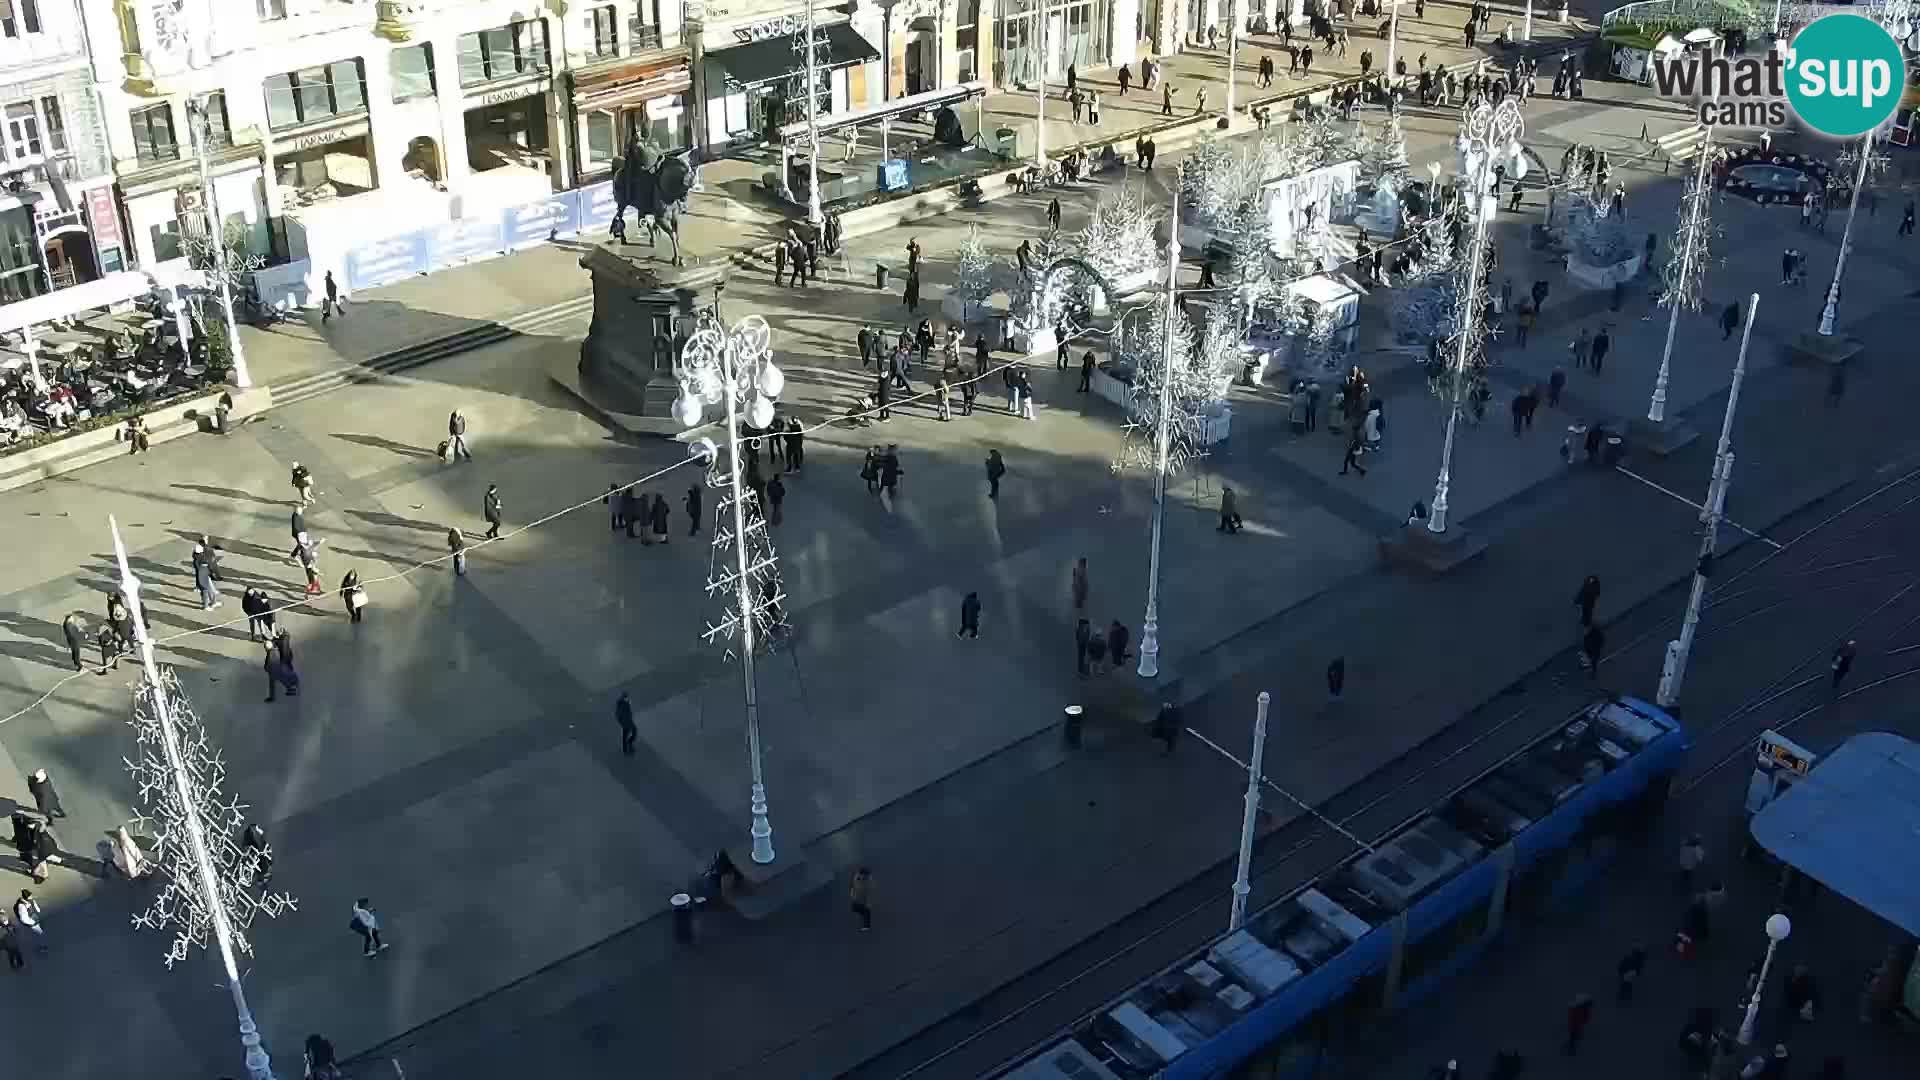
<point x="1062" y="354"/>
<point x="1579" y="1015"/>
<point x="332" y="302"/>
<point x="306" y="552"/>
<point x="10" y="943"/>
<point x="1078" y="586"/>
<point x="1627" y="973"/>
<point x="74" y="627"/>
<point x="1693" y="853"/>
<point x="1336" y="677"/>
<point x="969" y="389"/>
<point x="890" y="471"/>
<point x="660" y="516"/>
<point x="1117" y="637"/>
<point x="1523" y="322"/>
<point x="1053" y="212"/>
<point x="779" y="263"/>
<point x="1601" y="342"/>
<point x="1556" y="384"/>
<point x="996" y="468"/>
<point x="623" y="715"/>
<point x="302" y="486"/>
<point x="277" y="675"/>
<point x="1082" y="641"/>
<point x="860" y="897"/>
<point x="943" y="399"/>
<point x="1592" y="645"/>
<point x="367" y="925"/>
<point x="1906" y="220"/>
<point x="1842" y="662"/>
<point x="628" y="512"/>
<point x="1200" y="101"/>
<point x="913" y="255"/>
<point x="1352" y="458"/>
<point x="1096" y="654"/>
<point x="1229" y="511"/>
<point x="1086" y="371"/>
<point x="353" y="595"/>
<point x="490" y="509"/>
<point x="1586" y="597"/>
<point x="1166" y="726"/>
<point x="457" y="438"/>
<point x="1729" y="320"/>
<point x="912" y="294"/>
<point x="457" y="546"/>
<point x="980" y="354"/>
<point x="1023" y="390"/>
<point x="42" y="849"/>
<point x="969" y="616"/>
<point x="203" y="579"/>
<point x="691" y="503"/>
<point x="1166" y="101"/>
<point x="1125" y="76"/>
<point x="40" y="786"/>
<point x="26" y="916"/>
<point x="776" y="495"/>
<point x="796" y="440"/>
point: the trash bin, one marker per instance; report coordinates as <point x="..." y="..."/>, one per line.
<point x="880" y="276"/>
<point x="1614" y="449"/>
<point x="682" y="918"/>
<point x="1575" y="443"/>
<point x="1071" y="728"/>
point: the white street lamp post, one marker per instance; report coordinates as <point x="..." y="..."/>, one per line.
<point x="1695" y="226"/>
<point x="259" y="1065"/>
<point x="197" y="117"/>
<point x="1831" y="310"/>
<point x="1040" y="93"/>
<point x="1241" y="885"/>
<point x="1393" y="44"/>
<point x="1778" y="927"/>
<point x="1233" y="54"/>
<point x="1163" y="441"/>
<point x="814" y="215"/>
<point x="736" y="366"/>
<point x="1526" y="30"/>
<point x="1488" y="134"/>
<point x="1673" y="671"/>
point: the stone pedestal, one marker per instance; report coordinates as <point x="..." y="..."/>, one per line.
<point x="1666" y="437"/>
<point x="642" y="310"/>
<point x="1418" y="548"/>
<point x="1816" y="351"/>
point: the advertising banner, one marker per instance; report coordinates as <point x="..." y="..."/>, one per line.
<point x="386" y="261"/>
<point x="473" y="238"/>
<point x="536" y="223"/>
<point x="596" y="206"/>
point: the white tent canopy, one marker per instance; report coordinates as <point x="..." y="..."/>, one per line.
<point x="116" y="288"/>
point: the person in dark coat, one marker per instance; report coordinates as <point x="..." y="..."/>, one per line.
<point x="1167" y="724"/>
<point x="277" y="675"/>
<point x="1087" y="363"/>
<point x="969" y="617"/>
<point x="692" y="505"/>
<point x="1117" y="643"/>
<point x="1593" y="645"/>
<point x="40" y="786"/>
<point x="352" y="595"/>
<point x="283" y="649"/>
<point x="1053" y="213"/>
<point x="912" y="294"/>
<point x="660" y="517"/>
<point x="882" y="394"/>
<point x="776" y="494"/>
<point x="1336" y="677"/>
<point x="1587" y="597"/>
<point x="890" y="470"/>
<point x="74" y="626"/>
<point x="796" y="437"/>
<point x="980" y="354"/>
<point x="457" y="546"/>
<point x="490" y="507"/>
<point x="1082" y="638"/>
<point x="996" y="468"/>
<point x="623" y="715"/>
<point x="1229" y="511"/>
<point x="865" y="341"/>
<point x="45" y="848"/>
<point x="1628" y="972"/>
<point x="632" y="514"/>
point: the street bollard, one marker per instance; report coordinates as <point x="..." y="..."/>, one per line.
<point x="1612" y="451"/>
<point x="1071" y="729"/>
<point x="880" y="277"/>
<point x="682" y="918"/>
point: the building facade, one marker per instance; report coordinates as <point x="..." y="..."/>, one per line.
<point x="58" y="222"/>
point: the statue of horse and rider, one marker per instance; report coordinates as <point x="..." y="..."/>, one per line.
<point x="656" y="184"/>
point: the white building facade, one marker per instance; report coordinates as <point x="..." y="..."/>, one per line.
<point x="58" y="222"/>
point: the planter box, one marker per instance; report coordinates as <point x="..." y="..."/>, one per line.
<point x="164" y="424"/>
<point x="1588" y="276"/>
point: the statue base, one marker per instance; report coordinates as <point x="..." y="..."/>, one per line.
<point x="1420" y="549"/>
<point x="642" y="310"/>
<point x="1816" y="351"/>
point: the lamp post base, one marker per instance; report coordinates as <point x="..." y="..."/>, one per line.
<point x="1816" y="351"/>
<point x="1420" y="549"/>
<point x="1662" y="437"/>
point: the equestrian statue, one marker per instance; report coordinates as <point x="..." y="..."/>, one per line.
<point x="656" y="184"/>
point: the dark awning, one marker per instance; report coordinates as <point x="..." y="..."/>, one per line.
<point x="1854" y="826"/>
<point x="776" y="58"/>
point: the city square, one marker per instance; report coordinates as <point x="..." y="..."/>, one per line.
<point x="454" y="755"/>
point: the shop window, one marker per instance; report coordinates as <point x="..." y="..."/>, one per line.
<point x="643" y="26"/>
<point x="153" y="141"/>
<point x="23" y="131"/>
<point x="344" y="167"/>
<point x="316" y="93"/>
<point x="56" y="124"/>
<point x="502" y="52"/>
<point x="167" y="242"/>
<point x="606" y="31"/>
<point x="666" y="127"/>
<point x="413" y="73"/>
<point x="19" y="16"/>
<point x="600" y="128"/>
<point x="218" y="132"/>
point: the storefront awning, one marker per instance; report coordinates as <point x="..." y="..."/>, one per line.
<point x="873" y="114"/>
<point x="630" y="84"/>
<point x="1854" y="826"/>
<point x="775" y="58"/>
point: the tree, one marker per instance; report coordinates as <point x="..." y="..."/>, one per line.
<point x="975" y="275"/>
<point x="236" y="273"/>
<point x="1424" y="299"/>
<point x="1594" y="234"/>
<point x="1382" y="152"/>
<point x="1320" y="140"/>
<point x="1119" y="241"/>
<point x="1186" y="374"/>
<point x="1037" y="304"/>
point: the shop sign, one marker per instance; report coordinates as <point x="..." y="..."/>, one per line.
<point x="777" y="27"/>
<point x="536" y="223"/>
<point x="458" y="241"/>
<point x="385" y="261"/>
<point x="501" y="97"/>
<point x="315" y="139"/>
<point x="103" y="217"/>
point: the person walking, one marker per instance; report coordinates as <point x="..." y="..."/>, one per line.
<point x="26" y="916"/>
<point x="1053" y="212"/>
<point x="969" y="616"/>
<point x="45" y="798"/>
<point x="1627" y="973"/>
<point x="1592" y="645"/>
<point x="353" y="595"/>
<point x="303" y="487"/>
<point x="278" y="675"/>
<point x="1086" y="372"/>
<point x="332" y="302"/>
<point x="10" y="944"/>
<point x="996" y="468"/>
<point x="1166" y="100"/>
<point x="692" y="505"/>
<point x="776" y="495"/>
<point x="661" y="517"/>
<point x="457" y="438"/>
<point x="1077" y="587"/>
<point x="943" y="399"/>
<point x="1556" y="385"/>
<point x="1082" y="642"/>
<point x="1602" y="341"/>
<point x="1117" y="638"/>
<point x="490" y="508"/>
<point x="1579" y="1015"/>
<point x="1023" y="390"/>
<point x="1166" y="726"/>
<point x="623" y="715"/>
<point x="367" y="925"/>
<point x="1336" y="677"/>
<point x="457" y="547"/>
<point x="1586" y="597"/>
<point x="912" y="295"/>
<point x="74" y="627"/>
<point x="1125" y="76"/>
<point x="306" y="552"/>
<point x="969" y="390"/>
<point x="865" y="341"/>
<point x="860" y="897"/>
<point x="1729" y="320"/>
<point x="1352" y="458"/>
<point x="1842" y="662"/>
<point x="203" y="579"/>
<point x="1229" y="511"/>
<point x="627" y="513"/>
<point x="796" y="439"/>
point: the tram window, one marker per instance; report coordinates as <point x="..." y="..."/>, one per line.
<point x="1435" y="949"/>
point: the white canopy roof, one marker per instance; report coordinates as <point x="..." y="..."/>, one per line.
<point x="116" y="288"/>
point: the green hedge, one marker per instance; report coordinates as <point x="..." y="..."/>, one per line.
<point x="95" y="423"/>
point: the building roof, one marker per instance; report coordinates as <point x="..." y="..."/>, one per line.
<point x="1854" y="825"/>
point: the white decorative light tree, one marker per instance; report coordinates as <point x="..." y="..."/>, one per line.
<point x="206" y="878"/>
<point x="1381" y="150"/>
<point x="1897" y="17"/>
<point x="1489" y="136"/>
<point x="809" y="41"/>
<point x="1119" y="240"/>
<point x="1686" y="269"/>
<point x="200" y="127"/>
<point x="974" y="276"/>
<point x="735" y="368"/>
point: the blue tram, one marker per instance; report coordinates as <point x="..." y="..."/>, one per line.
<point x="1282" y="997"/>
